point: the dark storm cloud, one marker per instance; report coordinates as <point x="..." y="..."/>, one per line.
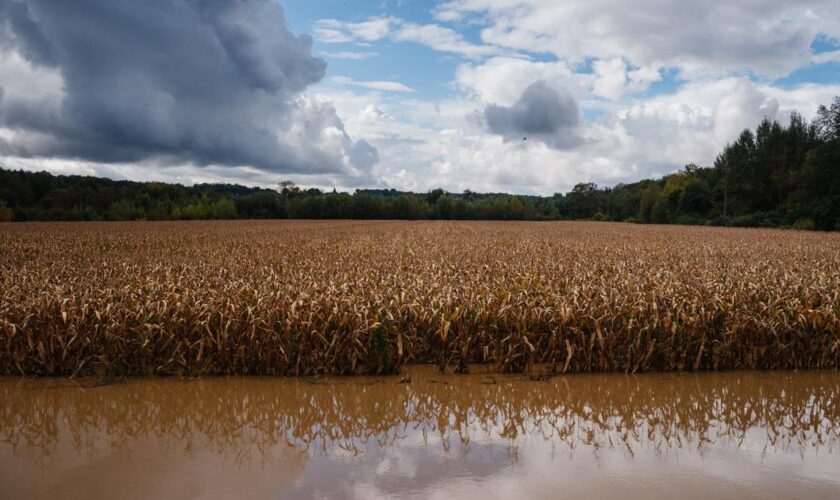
<point x="32" y="43"/>
<point x="202" y="81"/>
<point x="541" y="113"/>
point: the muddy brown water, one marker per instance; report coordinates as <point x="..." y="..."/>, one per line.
<point x="714" y="435"/>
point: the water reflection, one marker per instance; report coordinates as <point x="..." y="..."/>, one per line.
<point x="216" y="438"/>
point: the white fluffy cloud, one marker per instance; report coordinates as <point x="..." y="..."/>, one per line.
<point x="335" y="31"/>
<point x="447" y="144"/>
<point x="441" y="39"/>
<point x="384" y="85"/>
<point x="501" y="80"/>
<point x="610" y="78"/>
<point x="351" y="55"/>
<point x="606" y="54"/>
<point x="768" y="37"/>
<point x="435" y="36"/>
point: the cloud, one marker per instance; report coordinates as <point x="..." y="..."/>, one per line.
<point x="500" y="80"/>
<point x="385" y="85"/>
<point x="769" y="38"/>
<point x="447" y="143"/>
<point x="209" y="83"/>
<point x="335" y="31"/>
<point x="826" y="57"/>
<point x="610" y="78"/>
<point x="221" y="89"/>
<point x="743" y="107"/>
<point x="435" y="36"/>
<point x="363" y="155"/>
<point x="472" y="139"/>
<point x="540" y="113"/>
<point x="353" y="56"/>
<point x="442" y="39"/>
<point x="20" y="28"/>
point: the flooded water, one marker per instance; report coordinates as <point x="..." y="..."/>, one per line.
<point x="719" y="435"/>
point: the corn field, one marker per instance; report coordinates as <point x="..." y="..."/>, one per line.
<point x="325" y="297"/>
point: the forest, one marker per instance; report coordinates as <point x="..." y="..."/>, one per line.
<point x="776" y="175"/>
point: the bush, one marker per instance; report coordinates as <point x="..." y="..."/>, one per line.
<point x="691" y="220"/>
<point x="6" y="214"/>
<point x="804" y="224"/>
<point x="756" y="219"/>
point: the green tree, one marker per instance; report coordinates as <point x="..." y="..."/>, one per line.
<point x="828" y="120"/>
<point x="584" y="201"/>
<point x="660" y="213"/>
<point x="223" y="208"/>
<point x="695" y="198"/>
<point x="649" y="197"/>
<point x="819" y="194"/>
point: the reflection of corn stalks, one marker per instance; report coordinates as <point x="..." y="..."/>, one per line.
<point x="303" y="298"/>
<point x="247" y="416"/>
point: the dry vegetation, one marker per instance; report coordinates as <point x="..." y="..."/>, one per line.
<point x="351" y="297"/>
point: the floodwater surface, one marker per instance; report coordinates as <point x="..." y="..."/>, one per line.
<point x="714" y="435"/>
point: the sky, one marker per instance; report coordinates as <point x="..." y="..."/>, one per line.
<point x="523" y="96"/>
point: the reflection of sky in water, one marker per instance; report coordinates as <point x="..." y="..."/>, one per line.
<point x="737" y="435"/>
<point x="408" y="467"/>
<point x="417" y="466"/>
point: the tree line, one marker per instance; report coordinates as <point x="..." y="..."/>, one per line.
<point x="776" y="175"/>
